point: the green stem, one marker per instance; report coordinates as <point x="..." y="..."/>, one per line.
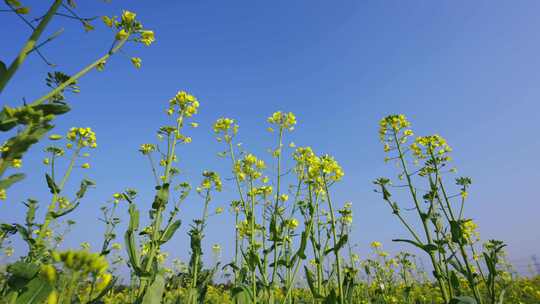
<point x="52" y="205"/>
<point x="434" y="262"/>
<point x="201" y="228"/>
<point x="334" y="235"/>
<point x="276" y="205"/>
<point x="252" y="243"/>
<point x="81" y="73"/>
<point x="156" y="224"/>
<point x="29" y="45"/>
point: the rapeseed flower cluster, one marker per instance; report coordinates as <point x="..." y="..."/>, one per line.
<point x="330" y="168"/>
<point x="128" y="25"/>
<point x="396" y="124"/>
<point x="469" y="229"/>
<point x="263" y="191"/>
<point x="431" y="146"/>
<point x="346" y="214"/>
<point x="211" y="181"/>
<point x="146" y="149"/>
<point x="315" y="169"/>
<point x="244" y="229"/>
<point x="188" y="104"/>
<point x="249" y="167"/>
<point x="305" y="160"/>
<point x="225" y="129"/>
<point x="82" y="137"/>
<point x="283" y="120"/>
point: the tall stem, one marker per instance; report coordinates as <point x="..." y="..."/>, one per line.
<point x="334" y="235"/>
<point x="424" y="219"/>
<point x="276" y="205"/>
<point x="54" y="200"/>
<point x="29" y="45"/>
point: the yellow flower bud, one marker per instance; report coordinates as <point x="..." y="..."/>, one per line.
<point x="121" y="35"/>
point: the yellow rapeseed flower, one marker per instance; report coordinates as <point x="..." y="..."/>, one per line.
<point x="147" y="37"/>
<point x="107" y="20"/>
<point x="16" y="163"/>
<point x="283" y="120"/>
<point x="147" y="148"/>
<point x="376" y="245"/>
<point x="121" y="35"/>
<point x="136" y="62"/>
<point x="128" y="17"/>
<point x="52" y="298"/>
<point x="103" y="281"/>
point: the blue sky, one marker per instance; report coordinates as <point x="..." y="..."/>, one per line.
<point x="466" y="70"/>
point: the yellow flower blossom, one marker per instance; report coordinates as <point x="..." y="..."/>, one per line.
<point x="136" y="61"/>
<point x="147" y="37"/>
<point x="283" y="120"/>
<point x="52" y="298"/>
<point x="121" y="35"/>
<point x="128" y="17"/>
<point x="376" y="245"/>
<point x="16" y="163"/>
<point x="107" y="20"/>
<point x="147" y="148"/>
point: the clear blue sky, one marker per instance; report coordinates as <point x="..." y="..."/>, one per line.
<point x="466" y="70"/>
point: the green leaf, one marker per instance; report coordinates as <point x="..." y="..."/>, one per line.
<point x="64" y="212"/>
<point x="455" y="282"/>
<point x="425" y="247"/>
<point x="23" y="270"/>
<point x="301" y="252"/>
<point x="53" y="108"/>
<point x="242" y="294"/>
<point x="85" y="184"/>
<point x="32" y="133"/>
<point x="32" y="206"/>
<point x="25" y="234"/>
<point x="342" y="241"/>
<point x="457" y="232"/>
<point x="169" y="232"/>
<point x="133" y="217"/>
<point x="3" y="68"/>
<point x="51" y="184"/>
<point x="36" y="291"/>
<point x="154" y="292"/>
<point x="332" y="297"/>
<point x="10" y="180"/>
<point x="129" y="238"/>
<point x="501" y="297"/>
<point x="162" y="196"/>
<point x="311" y="283"/>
